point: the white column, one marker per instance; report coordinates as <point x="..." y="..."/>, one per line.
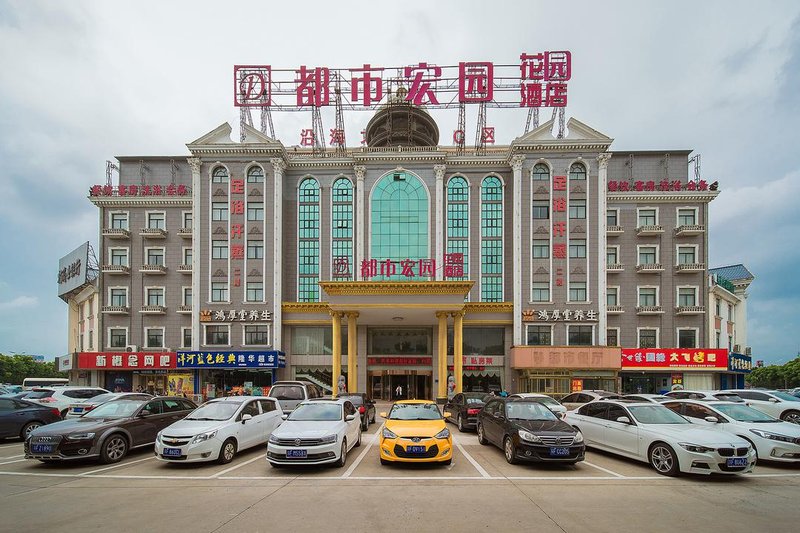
<point x="439" y="169"/>
<point x="359" y="234"/>
<point x="516" y="166"/>
<point x="278" y="166"/>
<point x="194" y="163"/>
<point x="602" y="242"/>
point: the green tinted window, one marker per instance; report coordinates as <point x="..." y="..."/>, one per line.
<point x="308" y="241"/>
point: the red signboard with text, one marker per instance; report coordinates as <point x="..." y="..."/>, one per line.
<point x="711" y="358"/>
<point x="126" y="360"/>
<point x="410" y="361"/>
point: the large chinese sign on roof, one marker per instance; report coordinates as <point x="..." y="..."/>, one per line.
<point x="684" y="358"/>
<point x="126" y="360"/>
<point x="539" y="79"/>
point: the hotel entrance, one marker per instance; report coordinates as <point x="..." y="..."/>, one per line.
<point x="416" y="384"/>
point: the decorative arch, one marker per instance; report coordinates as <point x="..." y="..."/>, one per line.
<point x="308" y="222"/>
<point x="491" y="239"/>
<point x="577" y="171"/>
<point x="255" y="173"/>
<point x="342" y="267"/>
<point x="541" y="171"/>
<point x="457" y="236"/>
<point x="220" y="174"/>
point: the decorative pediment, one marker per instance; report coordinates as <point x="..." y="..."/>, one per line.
<point x="254" y="230"/>
<point x="578" y="189"/>
<point x="254" y="272"/>
<point x="542" y="133"/>
<point x="578" y="270"/>
<point x="219" y="273"/>
<point x="255" y="192"/>
<point x="580" y="131"/>
<point x="541" y="270"/>
<point x="254" y="136"/>
<point x="541" y="230"/>
<point x="220" y="192"/>
<point x="578" y="229"/>
<point x="542" y="190"/>
<point x="219" y="135"/>
<point x="220" y="231"/>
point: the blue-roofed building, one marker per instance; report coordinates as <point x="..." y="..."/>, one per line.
<point x="727" y="319"/>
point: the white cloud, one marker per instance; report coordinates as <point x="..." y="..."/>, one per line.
<point x="20" y="302"/>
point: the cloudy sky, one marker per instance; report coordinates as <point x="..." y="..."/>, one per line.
<point x="81" y="82"/>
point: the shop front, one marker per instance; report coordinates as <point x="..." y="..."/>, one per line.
<point x="130" y="371"/>
<point x="739" y="366"/>
<point x="214" y="374"/>
<point x="560" y="370"/>
<point x="659" y="370"/>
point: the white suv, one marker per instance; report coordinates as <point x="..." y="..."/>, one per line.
<point x="62" y="397"/>
<point x="291" y="393"/>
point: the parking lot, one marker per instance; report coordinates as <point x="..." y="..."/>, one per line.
<point x="478" y="491"/>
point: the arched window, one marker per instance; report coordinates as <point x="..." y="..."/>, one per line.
<point x="577" y="172"/>
<point x="457" y="227"/>
<point x="255" y="174"/>
<point x="491" y="240"/>
<point x="308" y="241"/>
<point x="219" y="175"/>
<point x="541" y="172"/>
<point x="342" y="230"/>
<point x="399" y="226"/>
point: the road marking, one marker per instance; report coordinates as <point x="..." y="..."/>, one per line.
<point x="4" y="446"/>
<point x="9" y="462"/>
<point x="478" y="467"/>
<point x="363" y="454"/>
<point x="12" y="457"/>
<point x="606" y="470"/>
<point x="253" y="460"/>
<point x="119" y="465"/>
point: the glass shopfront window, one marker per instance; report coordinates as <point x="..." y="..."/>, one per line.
<point x="315" y="340"/>
<point x="396" y="341"/>
<point x="480" y="341"/>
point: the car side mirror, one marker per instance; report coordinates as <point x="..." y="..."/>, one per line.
<point x="774" y="400"/>
<point x="246" y="417"/>
<point x="349" y="418"/>
<point x="447" y="414"/>
<point x="284" y="416"/>
<point x="712" y="419"/>
<point x="144" y="412"/>
<point x="624" y="419"/>
<point x="383" y="415"/>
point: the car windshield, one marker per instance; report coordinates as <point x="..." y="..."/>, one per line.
<point x="38" y="394"/>
<point x="531" y="410"/>
<point x="546" y="400"/>
<point x="656" y="414"/>
<point x="287" y="392"/>
<point x="742" y="413"/>
<point x="414" y="411"/>
<point x="475" y="398"/>
<point x="323" y="412"/>
<point x="115" y="409"/>
<point x="784" y="396"/>
<point x="215" y="411"/>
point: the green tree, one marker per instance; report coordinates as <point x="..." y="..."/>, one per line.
<point x="15" y="368"/>
<point x="782" y="376"/>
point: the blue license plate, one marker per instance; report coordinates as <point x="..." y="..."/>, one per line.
<point x="42" y="448"/>
<point x="415" y="449"/>
<point x="172" y="452"/>
<point x="78" y="409"/>
<point x="737" y="461"/>
<point x="559" y="452"/>
<point x="296" y="454"/>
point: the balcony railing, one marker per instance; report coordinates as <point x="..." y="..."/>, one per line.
<point x="153" y="233"/>
<point x="115" y="269"/>
<point x="186" y="233"/>
<point x="614" y="230"/>
<point x="690" y="267"/>
<point x="116" y="233"/>
<point x="653" y="229"/>
<point x="115" y="309"/>
<point x="614" y="267"/>
<point x="614" y="309"/>
<point x="185" y="309"/>
<point x="690" y="310"/>
<point x="154" y="309"/>
<point x="153" y="269"/>
<point x="185" y="269"/>
<point x="649" y="268"/>
<point x="689" y="229"/>
<point x="649" y="310"/>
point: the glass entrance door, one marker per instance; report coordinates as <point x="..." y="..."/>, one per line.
<point x="414" y="384"/>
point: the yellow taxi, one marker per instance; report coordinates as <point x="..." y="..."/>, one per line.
<point x="416" y="432"/>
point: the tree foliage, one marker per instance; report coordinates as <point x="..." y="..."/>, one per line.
<point x="785" y="376"/>
<point x="15" y="368"/>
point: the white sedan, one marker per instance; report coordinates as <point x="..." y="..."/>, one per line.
<point x="652" y="433"/>
<point x="774" y="403"/>
<point x="317" y="432"/>
<point x="773" y="439"/>
<point x="218" y="429"/>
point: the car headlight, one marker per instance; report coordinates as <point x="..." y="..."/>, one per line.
<point x="772" y="436"/>
<point x="204" y="437"/>
<point x="328" y="439"/>
<point x="529" y="437"/>
<point x="689" y="447"/>
<point x="80" y="436"/>
<point x="578" y="438"/>
<point x="443" y="434"/>
<point x="273" y="439"/>
<point x="388" y="434"/>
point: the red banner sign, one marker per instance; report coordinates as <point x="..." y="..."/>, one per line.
<point x="139" y="190"/>
<point x="409" y="361"/>
<point x="126" y="360"/>
<point x="674" y="358"/>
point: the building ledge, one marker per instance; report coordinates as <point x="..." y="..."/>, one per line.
<point x="650" y="268"/>
<point x="116" y="233"/>
<point x="689" y="230"/>
<point x="153" y="233"/>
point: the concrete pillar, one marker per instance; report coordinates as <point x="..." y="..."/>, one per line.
<point x="359" y="234"/>
<point x="458" y="350"/>
<point x="602" y="315"/>
<point x="336" y="322"/>
<point x="439" y="169"/>
<point x="194" y="163"/>
<point x="516" y="166"/>
<point x="278" y="166"/>
<point x="352" y="351"/>
<point x="442" y="361"/>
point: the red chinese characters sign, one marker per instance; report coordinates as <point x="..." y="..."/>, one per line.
<point x="711" y="358"/>
<point x="660" y="185"/>
<point x="126" y="360"/>
<point x="538" y="79"/>
<point x="405" y="361"/>
<point x="139" y="190"/>
<point x="408" y="268"/>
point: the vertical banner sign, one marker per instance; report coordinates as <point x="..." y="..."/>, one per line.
<point x="236" y="238"/>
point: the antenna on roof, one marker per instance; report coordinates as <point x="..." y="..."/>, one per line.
<point x="533" y="119"/>
<point x="142" y="168"/>
<point x="173" y="170"/>
<point x="109" y="168"/>
<point x="696" y="160"/>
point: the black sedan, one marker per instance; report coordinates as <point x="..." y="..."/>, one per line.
<point x="18" y="418"/>
<point x="108" y="431"/>
<point x="365" y="406"/>
<point x="528" y="431"/>
<point x="464" y="408"/>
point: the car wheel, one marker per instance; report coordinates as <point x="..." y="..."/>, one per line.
<point x="791" y="416"/>
<point x="226" y="452"/>
<point x="27" y="428"/>
<point x="385" y="462"/>
<point x="343" y="455"/>
<point x="461" y="423"/>
<point x="365" y="424"/>
<point x="663" y="459"/>
<point x="114" y="449"/>
<point x="753" y="444"/>
<point x="358" y="442"/>
<point x="481" y="435"/>
<point x="510" y="450"/>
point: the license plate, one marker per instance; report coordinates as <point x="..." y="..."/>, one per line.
<point x="415" y="449"/>
<point x="42" y="448"/>
<point x="297" y="454"/>
<point x="559" y="452"/>
<point x="737" y="461"/>
<point x="172" y="452"/>
<point x="78" y="409"/>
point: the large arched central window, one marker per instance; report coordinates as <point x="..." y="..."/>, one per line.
<point x="308" y="241"/>
<point x="399" y="224"/>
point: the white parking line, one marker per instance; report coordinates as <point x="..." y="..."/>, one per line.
<point x="478" y="467"/>
<point x="118" y="465"/>
<point x="16" y="461"/>
<point x="363" y="454"/>
<point x="606" y="470"/>
<point x="4" y="446"/>
<point x="12" y="457"/>
<point x="253" y="460"/>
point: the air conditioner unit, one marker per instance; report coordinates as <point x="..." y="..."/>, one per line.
<point x="748" y="350"/>
<point x="132" y="348"/>
<point x="737" y="348"/>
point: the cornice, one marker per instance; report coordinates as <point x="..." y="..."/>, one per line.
<point x="489" y="307"/>
<point x="378" y="288"/>
<point x="561" y="146"/>
<point x="122" y="201"/>
<point x="305" y="307"/>
<point x="663" y="196"/>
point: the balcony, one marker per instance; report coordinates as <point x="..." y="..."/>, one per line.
<point x="115" y="309"/>
<point x="116" y="233"/>
<point x="185" y="309"/>
<point x="649" y="268"/>
<point x="153" y="269"/>
<point x="654" y="229"/>
<point x="614" y="230"/>
<point x="649" y="310"/>
<point x="116" y="269"/>
<point x="154" y="309"/>
<point x="690" y="267"/>
<point x="614" y="309"/>
<point x="185" y="269"/>
<point x="687" y="230"/>
<point x="186" y="233"/>
<point x="690" y="310"/>
<point x="614" y="267"/>
<point x="153" y="233"/>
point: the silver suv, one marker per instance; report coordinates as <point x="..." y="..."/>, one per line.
<point x="291" y="393"/>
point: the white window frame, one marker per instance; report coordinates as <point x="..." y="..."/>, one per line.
<point x="183" y="219"/>
<point x="585" y="288"/>
<point x="658" y="335"/>
<point x="613" y="287"/>
<point x="205" y="327"/>
<point x="696" y="335"/>
<point x="614" y="247"/>
<point x="148" y="214"/>
<point x="617" y="329"/>
<point x="269" y="334"/>
<point x="658" y="253"/>
<point x="127" y="294"/>
<point x="549" y="293"/>
<point x="263" y="293"/>
<point x="570" y="205"/>
<point x="183" y="334"/>
<point x="127" y="219"/>
<point x="154" y="287"/>
<point x="694" y="288"/>
<point x="528" y="326"/>
<point x="616" y="210"/>
<point x="108" y="336"/>
<point x="247" y="250"/>
<point x="127" y="255"/>
<point x="687" y="208"/>
<point x="211" y="292"/>
<point x="163" y="336"/>
<point x="639" y="290"/>
<point x="183" y="294"/>
<point x="573" y="324"/>
<point x="696" y="253"/>
<point x="646" y="208"/>
<point x="184" y="249"/>
<point x="502" y="234"/>
<point x="147" y="254"/>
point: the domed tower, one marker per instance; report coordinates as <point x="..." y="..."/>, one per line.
<point x="400" y="123"/>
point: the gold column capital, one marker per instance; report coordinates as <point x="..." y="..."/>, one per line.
<point x="442" y="314"/>
<point x="458" y="314"/>
<point x="352" y="314"/>
<point x="336" y="314"/>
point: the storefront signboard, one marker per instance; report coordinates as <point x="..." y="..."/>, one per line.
<point x="404" y="361"/>
<point x="565" y="357"/>
<point x="576" y="385"/>
<point x="231" y="315"/>
<point x="692" y="358"/>
<point x="180" y="384"/>
<point x="740" y="363"/>
<point x="676" y="382"/>
<point x="64" y="363"/>
<point x="126" y="360"/>
<point x="556" y="315"/>
<point x="226" y="359"/>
